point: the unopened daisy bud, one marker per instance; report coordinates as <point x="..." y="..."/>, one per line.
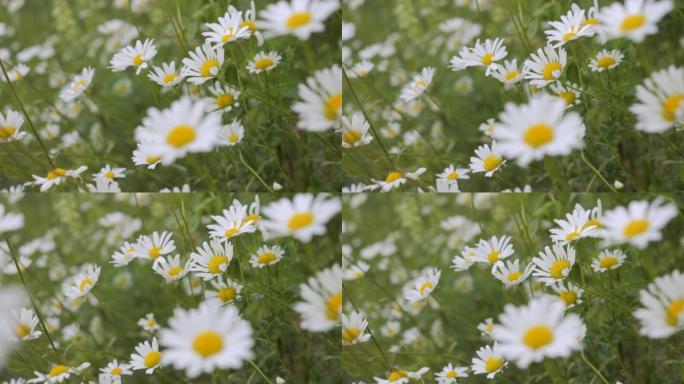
<point x="618" y="184"/>
<point x="276" y="186"/>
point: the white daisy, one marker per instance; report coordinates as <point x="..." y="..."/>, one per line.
<point x="10" y="221"/>
<point x="320" y="107"/>
<point x="510" y="273"/>
<point x="264" y="62"/>
<point x="569" y="293"/>
<point x="420" y="83"/>
<point x="487" y="159"/>
<point x="486" y="327"/>
<point x="233" y="133"/>
<point x="303" y="217"/>
<point x="574" y="228"/>
<point x="204" y="64"/>
<point x="232" y="223"/>
<point x="635" y="19"/>
<point x="355" y="132"/>
<point x="546" y="66"/>
<point x="229" y="28"/>
<point x="24" y="324"/>
<point x="354" y="329"/>
<point x="489" y="361"/>
<point x="224" y="99"/>
<point x="224" y="292"/>
<point x="149" y="323"/>
<point x="450" y="374"/>
<point x="605" y="60"/>
<point x="465" y="261"/>
<point x="78" y="85"/>
<point x="421" y="288"/>
<point x="58" y="373"/>
<point x="212" y="259"/>
<point x="361" y="69"/>
<point x="638" y="224"/>
<point x="17" y="73"/>
<point x="608" y="259"/>
<point x="570" y="27"/>
<point x="146" y="356"/>
<point x="321" y="307"/>
<point x="395" y="179"/>
<point x="10" y="125"/>
<point x="300" y="18"/>
<point x="266" y="256"/>
<point x="508" y="73"/>
<point x="167" y="76"/>
<point x="662" y="311"/>
<point x="136" y="56"/>
<point x="493" y="250"/>
<point x="661" y="101"/>
<point x="109" y="173"/>
<point x="81" y="284"/>
<point x="171" y="269"/>
<point x="116" y="369"/>
<point x="554" y="263"/>
<point x="481" y="55"/>
<point x="151" y="247"/>
<point x="402" y="377"/>
<point x="355" y="271"/>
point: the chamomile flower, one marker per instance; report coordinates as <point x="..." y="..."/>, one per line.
<point x="545" y="66"/>
<point x="465" y="261"/>
<point x="9" y="222"/>
<point x="211" y="259"/>
<point x="420" y="83"/>
<point x="266" y="256"/>
<point x="488" y="127"/>
<point x="606" y="60"/>
<point x="320" y="107"/>
<point x="421" y="288"/>
<point x="361" y="69"/>
<point x="395" y="179"/>
<point x="569" y="94"/>
<point x="354" y="329"/>
<point x="608" y="259"/>
<point x="231" y="223"/>
<point x="481" y="55"/>
<point x="489" y="361"/>
<point x="300" y="18"/>
<point x="17" y="73"/>
<point x="167" y="76"/>
<point x="531" y="131"/>
<point x="58" y="373"/>
<point x="321" y="307"/>
<point x="116" y="369"/>
<point x="303" y="217"/>
<point x="573" y="228"/>
<point x="493" y="250"/>
<point x="450" y="374"/>
<point x="10" y="125"/>
<point x="109" y="173"/>
<point x="149" y="323"/>
<point x="81" y="284"/>
<point x="249" y="21"/>
<point x="402" y="377"/>
<point x="508" y="73"/>
<point x="181" y="129"/>
<point x="537" y="331"/>
<point x="570" y="27"/>
<point x="78" y="85"/>
<point x="510" y="272"/>
<point x="147" y="153"/>
<point x="355" y="132"/>
<point x="453" y="174"/>
<point x="24" y="322"/>
<point x="355" y="271"/>
<point x="638" y="224"/>
<point x="224" y="291"/>
<point x="554" y="263"/>
<point x="229" y="28"/>
<point x="204" y="64"/>
<point x="635" y="19"/>
<point x="233" y="133"/>
<point x="264" y="62"/>
<point x="151" y="247"/>
<point x="661" y="101"/>
<point x="487" y="159"/>
<point x="569" y="293"/>
<point x="146" y="356"/>
<point x="486" y="327"/>
<point x="224" y="99"/>
<point x="662" y="311"/>
<point x="171" y="269"/>
<point x="207" y="338"/>
<point x="137" y="56"/>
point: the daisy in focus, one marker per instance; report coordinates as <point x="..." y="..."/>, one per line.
<point x="574" y="227"/>
<point x="450" y="374"/>
<point x="487" y="159"/>
<point x="211" y="260"/>
<point x="229" y="28"/>
<point x="545" y="66"/>
<point x="554" y="263"/>
<point x="395" y="179"/>
<point x="146" y="356"/>
<point x="608" y="259"/>
<point x="10" y="125"/>
<point x="204" y="64"/>
<point x="354" y="329"/>
<point x="266" y="256"/>
<point x="154" y="246"/>
<point x="421" y="288"/>
<point x="264" y="62"/>
<point x="137" y="56"/>
<point x="493" y="250"/>
<point x="606" y="60"/>
<point x="481" y="55"/>
<point x="510" y="272"/>
<point x="167" y="76"/>
<point x="83" y="283"/>
<point x="489" y="361"/>
<point x="355" y="132"/>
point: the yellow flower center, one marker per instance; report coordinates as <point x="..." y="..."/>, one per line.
<point x="151" y="322"/>
<point x="116" y="371"/>
<point x="352" y="136"/>
<point x="632" y="22"/>
<point x="154" y="252"/>
<point x="569" y="36"/>
<point x="491" y="162"/>
<point x="424" y="286"/>
<point x="170" y="77"/>
<point x="22" y="330"/>
<point x="569" y="297"/>
<point x="249" y="24"/>
<point x="393" y="176"/>
<point x="568" y="97"/>
<point x="608" y="261"/>
<point x="670" y="106"/>
<point x="227" y="294"/>
<point x="571" y="236"/>
<point x="453" y="175"/>
<point x="636" y="228"/>
<point x="487" y="58"/>
<point x="263" y="63"/>
<point x="595" y="222"/>
<point x="232" y="232"/>
<point x="550" y="69"/>
<point x="558" y="267"/>
<point x="57" y="172"/>
<point x="227" y="37"/>
<point x="334" y="306"/>
<point x="109" y="175"/>
<point x="674" y="310"/>
<point x="208" y="343"/>
<point x="58" y="370"/>
<point x="590" y="21"/>
<point x="214" y="265"/>
<point x="605" y="61"/>
<point x="181" y="135"/>
<point x="537" y="135"/>
<point x="152" y="359"/>
<point x="7" y="132"/>
<point x="514" y="276"/>
<point x="223" y="101"/>
<point x="350" y="334"/>
<point x="489" y="327"/>
<point x="396" y="375"/>
<point x="512" y="75"/>
<point x="451" y="374"/>
<point x="332" y="106"/>
<point x="234" y="138"/>
<point x="175" y="271"/>
<point x="150" y="159"/>
<point x="138" y="60"/>
<point x="493" y="256"/>
<point x="87" y="282"/>
<point x="300" y="220"/>
<point x="538" y="336"/>
<point x="298" y="19"/>
<point x="209" y="67"/>
<point x="267" y="257"/>
<point x="493" y="363"/>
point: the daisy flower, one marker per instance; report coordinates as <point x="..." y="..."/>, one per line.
<point x="233" y="133"/>
<point x="421" y="288"/>
<point x="492" y="250"/>
<point x="354" y="329"/>
<point x="450" y="374"/>
<point x="228" y="28"/>
<point x="574" y="228"/>
<point x="10" y="221"/>
<point x="569" y="94"/>
<point x="531" y="131"/>
<point x="402" y="377"/>
<point x="303" y="217"/>
<point x="24" y="323"/>
<point x="554" y="263"/>
<point x="570" y="27"/>
<point x="320" y="107"/>
<point x="509" y="272"/>
<point x="224" y="292"/>
<point x="224" y="99"/>
<point x="639" y="223"/>
<point x="249" y="21"/>
<point x="108" y="173"/>
<point x="355" y="271"/>
<point x="136" y="56"/>
<point x="170" y="269"/>
<point x="124" y="255"/>
<point x="151" y="247"/>
<point x="661" y="101"/>
<point x="167" y="76"/>
<point x="83" y="283"/>
<point x="266" y="256"/>
<point x="395" y="179"/>
<point x="489" y="361"/>
<point x="605" y="60"/>
<point x="569" y="293"/>
<point x="465" y="261"/>
<point x="78" y="85"/>
<point x="203" y="64"/>
<point x="486" y="327"/>
<point x="263" y="62"/>
<point x="211" y="259"/>
<point x="608" y="259"/>
<point x="207" y="338"/>
<point x="58" y="373"/>
<point x="147" y="154"/>
<point x="10" y="125"/>
<point x="508" y="73"/>
<point x="487" y="127"/>
<point x="546" y="66"/>
<point x="355" y="132"/>
<point x="149" y="323"/>
<point x="536" y="331"/>
<point x="300" y="18"/>
<point x="361" y="69"/>
<point x="635" y="19"/>
<point x="481" y="55"/>
<point x="420" y="83"/>
<point x="662" y="311"/>
<point x="321" y="307"/>
<point x="232" y="223"/>
<point x="487" y="159"/>
<point x="116" y="369"/>
<point x="453" y="174"/>
<point x="146" y="356"/>
<point x="17" y="73"/>
<point x="181" y="129"/>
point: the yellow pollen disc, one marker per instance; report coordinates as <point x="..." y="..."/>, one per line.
<point x="332" y="106"/>
<point x="538" y="336"/>
<point x="550" y="68"/>
<point x="537" y="135"/>
<point x="350" y="334"/>
<point x="116" y="371"/>
<point x="334" y="306"/>
<point x="512" y="75"/>
<point x="152" y="159"/>
<point x="493" y="363"/>
<point x="590" y="21"/>
<point x="7" y="132"/>
<point x="214" y="265"/>
<point x="267" y="257"/>
<point x="491" y="162"/>
<point x="87" y="282"/>
<point x="234" y="138"/>
<point x="595" y="222"/>
<point x="605" y="61"/>
<point x="152" y="359"/>
<point x="253" y="217"/>
<point x="300" y="220"/>
<point x="175" y="271"/>
<point x="208" y="343"/>
<point x="487" y="58"/>
<point x="568" y="97"/>
<point x="208" y="66"/>
<point x="569" y="297"/>
<point x="571" y="236"/>
<point x="181" y="135"/>
<point x="558" y="267"/>
<point x="451" y="374"/>
<point x="232" y="232"/>
<point x="109" y="175"/>
<point x="22" y="330"/>
<point x="58" y="370"/>
<point x="493" y="256"/>
<point x="393" y="176"/>
<point x="396" y="375"/>
<point x="569" y="36"/>
<point x="635" y="228"/>
<point x="138" y="60"/>
<point x="151" y="323"/>
<point x="674" y="310"/>
<point x="263" y="63"/>
<point x="424" y="286"/>
<point x="223" y="101"/>
<point x="249" y="24"/>
<point x="170" y="77"/>
<point x="453" y="176"/>
<point x="632" y="22"/>
<point x="608" y="261"/>
<point x="298" y="19"/>
<point x="489" y="327"/>
<point x="670" y="106"/>
<point x="56" y="173"/>
<point x="514" y="276"/>
<point x="227" y="294"/>
<point x="352" y="136"/>
<point x="154" y="252"/>
<point x="227" y="37"/>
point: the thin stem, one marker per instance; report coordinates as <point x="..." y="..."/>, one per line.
<point x="256" y="367"/>
<point x="265" y="184"/>
<point x="593" y="368"/>
<point x="600" y="176"/>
